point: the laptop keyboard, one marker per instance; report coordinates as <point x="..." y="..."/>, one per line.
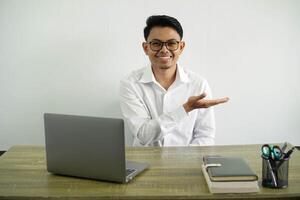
<point x="130" y="171"/>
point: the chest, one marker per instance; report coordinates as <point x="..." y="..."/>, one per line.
<point x="158" y="100"/>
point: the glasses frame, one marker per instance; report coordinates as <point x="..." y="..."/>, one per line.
<point x="164" y="44"/>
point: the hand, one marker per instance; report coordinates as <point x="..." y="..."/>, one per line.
<point x="195" y="102"/>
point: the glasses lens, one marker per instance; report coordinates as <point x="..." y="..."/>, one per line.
<point x="156" y="45"/>
<point x="172" y="45"/>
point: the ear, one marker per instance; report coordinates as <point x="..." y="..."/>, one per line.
<point x="145" y="47"/>
<point x="181" y="46"/>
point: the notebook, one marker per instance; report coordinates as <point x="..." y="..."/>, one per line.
<point x="230" y="186"/>
<point x="230" y="169"/>
<point x="88" y="147"/>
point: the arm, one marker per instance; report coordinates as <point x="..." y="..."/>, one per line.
<point x="204" y="129"/>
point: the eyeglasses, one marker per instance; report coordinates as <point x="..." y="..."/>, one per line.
<point x="157" y="45"/>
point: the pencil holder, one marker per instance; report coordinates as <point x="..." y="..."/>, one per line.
<point x="275" y="173"/>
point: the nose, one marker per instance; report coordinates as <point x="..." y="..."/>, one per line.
<point x="164" y="48"/>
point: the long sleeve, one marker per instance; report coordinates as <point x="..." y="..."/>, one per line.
<point x="204" y="129"/>
<point x="146" y="130"/>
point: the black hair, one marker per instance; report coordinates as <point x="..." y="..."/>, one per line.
<point x="162" y="21"/>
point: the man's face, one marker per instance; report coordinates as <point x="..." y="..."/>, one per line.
<point x="163" y="58"/>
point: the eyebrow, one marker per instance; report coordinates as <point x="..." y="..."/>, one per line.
<point x="164" y="41"/>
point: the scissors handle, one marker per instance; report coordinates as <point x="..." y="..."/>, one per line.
<point x="266" y="151"/>
<point x="272" y="152"/>
<point x="277" y="152"/>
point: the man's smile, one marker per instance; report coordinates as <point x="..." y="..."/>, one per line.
<point x="164" y="57"/>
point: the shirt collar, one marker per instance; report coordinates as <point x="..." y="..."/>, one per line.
<point x="148" y="76"/>
<point x="181" y="75"/>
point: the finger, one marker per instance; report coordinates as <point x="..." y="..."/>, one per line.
<point x="222" y="100"/>
<point x="201" y="96"/>
<point x="214" y="102"/>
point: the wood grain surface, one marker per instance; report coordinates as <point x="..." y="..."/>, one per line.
<point x="174" y="173"/>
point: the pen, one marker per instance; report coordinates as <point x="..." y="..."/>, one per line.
<point x="284" y="147"/>
<point x="288" y="154"/>
<point x="286" y="157"/>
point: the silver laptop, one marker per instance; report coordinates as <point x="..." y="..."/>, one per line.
<point x="88" y="147"/>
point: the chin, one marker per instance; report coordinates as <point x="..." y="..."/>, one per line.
<point x="165" y="67"/>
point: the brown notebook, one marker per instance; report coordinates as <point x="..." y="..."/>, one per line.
<point x="230" y="169"/>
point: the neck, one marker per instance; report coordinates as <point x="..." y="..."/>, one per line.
<point x="165" y="77"/>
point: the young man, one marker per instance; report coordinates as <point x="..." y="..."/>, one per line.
<point x="164" y="104"/>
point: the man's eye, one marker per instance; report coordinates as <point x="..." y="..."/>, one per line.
<point x="172" y="43"/>
<point x="156" y="44"/>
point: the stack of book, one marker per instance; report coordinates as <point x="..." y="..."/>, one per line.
<point x="229" y="175"/>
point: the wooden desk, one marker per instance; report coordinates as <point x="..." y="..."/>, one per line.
<point x="175" y="173"/>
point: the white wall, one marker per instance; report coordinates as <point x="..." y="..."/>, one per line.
<point x="68" y="57"/>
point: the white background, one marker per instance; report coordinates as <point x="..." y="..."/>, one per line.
<point x="68" y="57"/>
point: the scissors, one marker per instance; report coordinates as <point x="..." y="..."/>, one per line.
<point x="271" y="152"/>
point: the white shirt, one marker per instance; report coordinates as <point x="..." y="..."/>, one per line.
<point x="156" y="116"/>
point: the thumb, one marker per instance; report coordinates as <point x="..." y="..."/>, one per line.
<point x="201" y="96"/>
